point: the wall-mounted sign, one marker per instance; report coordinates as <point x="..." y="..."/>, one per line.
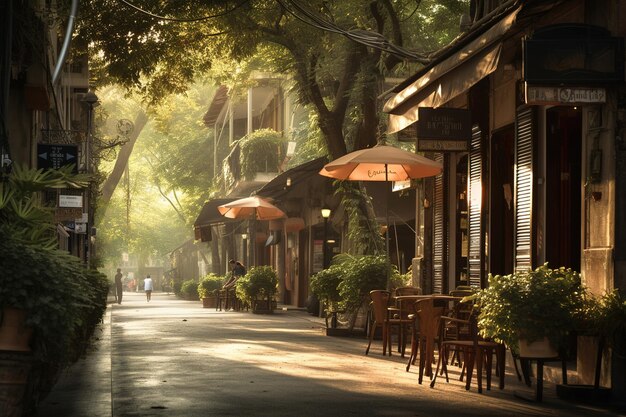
<point x="70" y="201"/>
<point x="80" y="228"/>
<point x="443" y="129"/>
<point x="564" y="95"/>
<point x="65" y="214"/>
<point x="52" y="156"/>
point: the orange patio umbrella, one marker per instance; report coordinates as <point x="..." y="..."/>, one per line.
<point x="381" y="163"/>
<point x="253" y="208"/>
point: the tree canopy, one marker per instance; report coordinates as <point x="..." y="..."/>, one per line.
<point x="325" y="46"/>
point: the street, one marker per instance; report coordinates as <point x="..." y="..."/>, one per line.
<point x="171" y="357"/>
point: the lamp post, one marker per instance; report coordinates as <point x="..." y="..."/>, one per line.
<point x="325" y="214"/>
<point x="244" y="238"/>
<point x="91" y="100"/>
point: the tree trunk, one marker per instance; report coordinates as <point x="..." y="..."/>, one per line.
<point x="120" y="164"/>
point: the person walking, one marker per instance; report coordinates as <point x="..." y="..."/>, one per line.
<point x="118" y="286"/>
<point x="147" y="286"/>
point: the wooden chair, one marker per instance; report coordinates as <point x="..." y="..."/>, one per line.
<point x="425" y="331"/>
<point x="402" y="310"/>
<point x="476" y="352"/>
<point x="381" y="319"/>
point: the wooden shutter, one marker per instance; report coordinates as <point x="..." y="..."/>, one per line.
<point x="440" y="235"/>
<point x="525" y="130"/>
<point x="475" y="203"/>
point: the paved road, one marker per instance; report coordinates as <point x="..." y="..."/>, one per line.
<point x="173" y="358"/>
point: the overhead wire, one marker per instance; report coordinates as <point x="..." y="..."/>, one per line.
<point x="181" y="20"/>
<point x="368" y="38"/>
<point x="364" y="37"/>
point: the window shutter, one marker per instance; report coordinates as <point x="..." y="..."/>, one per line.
<point x="475" y="193"/>
<point x="525" y="130"/>
<point x="440" y="238"/>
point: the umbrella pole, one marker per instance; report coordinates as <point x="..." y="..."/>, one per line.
<point x="253" y="240"/>
<point x="387" y="227"/>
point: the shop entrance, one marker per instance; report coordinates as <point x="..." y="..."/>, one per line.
<point x="563" y="187"/>
<point x="501" y="188"/>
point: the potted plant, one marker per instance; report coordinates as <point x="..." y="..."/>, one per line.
<point x="208" y="289"/>
<point x="361" y="274"/>
<point x="529" y="307"/>
<point x="61" y="302"/>
<point x="612" y="321"/>
<point x="257" y="288"/>
<point x="600" y="324"/>
<point x="325" y="285"/>
<point x="189" y="290"/>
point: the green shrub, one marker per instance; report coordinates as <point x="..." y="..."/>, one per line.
<point x="260" y="283"/>
<point x="325" y="285"/>
<point x="531" y="304"/>
<point x="210" y="285"/>
<point x="261" y="151"/>
<point x="362" y="274"/>
<point x="189" y="290"/>
<point x="612" y="321"/>
<point x="63" y="301"/>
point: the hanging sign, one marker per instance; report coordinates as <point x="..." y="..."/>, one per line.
<point x="443" y="129"/>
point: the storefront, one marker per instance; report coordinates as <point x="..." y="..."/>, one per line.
<point x="544" y="84"/>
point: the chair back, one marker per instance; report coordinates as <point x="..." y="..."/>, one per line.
<point x="380" y="302"/>
<point x="462" y="291"/>
<point x="408" y="291"/>
<point x="428" y="317"/>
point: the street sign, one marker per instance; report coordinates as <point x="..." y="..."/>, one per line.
<point x="54" y="156"/>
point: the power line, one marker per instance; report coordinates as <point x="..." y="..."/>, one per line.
<point x="173" y="19"/>
<point x="364" y="37"/>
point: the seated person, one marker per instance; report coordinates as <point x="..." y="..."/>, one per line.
<point x="238" y="271"/>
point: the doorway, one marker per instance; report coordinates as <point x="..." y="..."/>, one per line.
<point x="502" y="159"/>
<point x="563" y="187"/>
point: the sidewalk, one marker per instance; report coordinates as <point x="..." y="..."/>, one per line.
<point x="174" y="358"/>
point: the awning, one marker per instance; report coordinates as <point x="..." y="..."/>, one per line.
<point x="209" y="215"/>
<point x="447" y="79"/>
<point x="217" y="104"/>
<point x="296" y="177"/>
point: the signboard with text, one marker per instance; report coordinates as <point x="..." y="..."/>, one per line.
<point x="443" y="129"/>
<point x="564" y="95"/>
<point x="54" y="156"/>
<point x="70" y="200"/>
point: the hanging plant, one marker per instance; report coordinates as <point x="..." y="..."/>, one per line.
<point x="261" y="151"/>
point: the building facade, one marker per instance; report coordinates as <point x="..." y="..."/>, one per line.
<point x="542" y="83"/>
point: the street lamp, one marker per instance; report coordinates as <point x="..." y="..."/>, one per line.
<point x="325" y="214"/>
<point x="244" y="238"/>
<point x="91" y="100"/>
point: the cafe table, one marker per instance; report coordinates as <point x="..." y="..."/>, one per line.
<point x="430" y="336"/>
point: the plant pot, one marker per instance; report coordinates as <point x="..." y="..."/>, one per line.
<point x="541" y="348"/>
<point x="262" y="307"/>
<point x="15" y="369"/>
<point x="14" y="335"/>
<point x="209" y="302"/>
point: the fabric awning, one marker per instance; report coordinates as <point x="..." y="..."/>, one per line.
<point x="209" y="215"/>
<point x="447" y="79"/>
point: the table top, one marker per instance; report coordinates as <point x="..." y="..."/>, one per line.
<point x="429" y="296"/>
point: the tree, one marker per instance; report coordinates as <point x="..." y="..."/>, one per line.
<point x="339" y="77"/>
<point x="339" y="53"/>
